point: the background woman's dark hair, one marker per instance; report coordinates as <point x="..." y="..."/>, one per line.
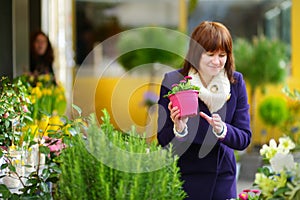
<point x="46" y="59"/>
<point x="209" y="36"/>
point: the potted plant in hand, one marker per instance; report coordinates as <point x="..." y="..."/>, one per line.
<point x="185" y="96"/>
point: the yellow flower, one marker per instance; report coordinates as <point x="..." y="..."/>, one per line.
<point x="47" y="77"/>
<point x="66" y="131"/>
<point x="43" y="124"/>
<point x="265" y="184"/>
<point x="39" y="84"/>
<point x="36" y="92"/>
<point x="54" y="124"/>
<point x="47" y="91"/>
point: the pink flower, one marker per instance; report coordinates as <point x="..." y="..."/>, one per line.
<point x="183" y="81"/>
<point x="187" y="77"/>
<point x="6" y="115"/>
<point x="25" y="109"/>
<point x="255" y="191"/>
<point x="55" y="145"/>
<point x="246" y="190"/>
<point x="243" y="196"/>
<point x="174" y="85"/>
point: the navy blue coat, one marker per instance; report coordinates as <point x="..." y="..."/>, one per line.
<point x="207" y="164"/>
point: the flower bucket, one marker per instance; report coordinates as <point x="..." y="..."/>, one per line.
<point x="186" y="101"/>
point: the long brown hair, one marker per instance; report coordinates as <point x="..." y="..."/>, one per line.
<point x="209" y="36"/>
<point x="47" y="58"/>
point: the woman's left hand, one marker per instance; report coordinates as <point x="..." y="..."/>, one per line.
<point x="215" y="121"/>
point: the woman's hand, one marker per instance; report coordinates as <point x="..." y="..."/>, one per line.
<point x="179" y="122"/>
<point x="215" y="121"/>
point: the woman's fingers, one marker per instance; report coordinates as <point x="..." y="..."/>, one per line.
<point x="215" y="120"/>
<point x="206" y="117"/>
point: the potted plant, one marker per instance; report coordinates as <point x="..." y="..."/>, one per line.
<point x="273" y="111"/>
<point x="110" y="164"/>
<point x="185" y="96"/>
<point x="262" y="61"/>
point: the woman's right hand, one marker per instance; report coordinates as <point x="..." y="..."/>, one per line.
<point x="179" y="122"/>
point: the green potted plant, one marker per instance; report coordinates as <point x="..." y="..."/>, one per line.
<point x="273" y="111"/>
<point x="151" y="45"/>
<point x="109" y="164"/>
<point x="184" y="95"/>
<point x="262" y="61"/>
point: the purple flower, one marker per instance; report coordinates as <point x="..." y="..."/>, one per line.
<point x="150" y="96"/>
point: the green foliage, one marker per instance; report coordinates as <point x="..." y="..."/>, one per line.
<point x="261" y="61"/>
<point x="291" y="125"/>
<point x="109" y="164"/>
<point x="183" y="85"/>
<point x="273" y="111"/>
<point x="151" y="45"/>
<point x="36" y="184"/>
<point x="14" y="103"/>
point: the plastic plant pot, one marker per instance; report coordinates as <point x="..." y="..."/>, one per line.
<point x="186" y="101"/>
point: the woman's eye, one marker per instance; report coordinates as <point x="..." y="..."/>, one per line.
<point x="223" y="55"/>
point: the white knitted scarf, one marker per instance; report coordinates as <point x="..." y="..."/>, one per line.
<point x="217" y="92"/>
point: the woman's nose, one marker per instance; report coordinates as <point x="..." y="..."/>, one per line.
<point x="216" y="60"/>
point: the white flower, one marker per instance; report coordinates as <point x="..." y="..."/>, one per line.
<point x="282" y="161"/>
<point x="269" y="151"/>
<point x="285" y="145"/>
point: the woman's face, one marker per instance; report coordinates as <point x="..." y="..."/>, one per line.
<point x="40" y="44"/>
<point x="211" y="63"/>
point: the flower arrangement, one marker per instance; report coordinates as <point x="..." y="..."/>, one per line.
<point x="249" y="194"/>
<point x="183" y="85"/>
<point x="281" y="179"/>
<point x="52" y="135"/>
<point x="185" y="96"/>
<point x="46" y="94"/>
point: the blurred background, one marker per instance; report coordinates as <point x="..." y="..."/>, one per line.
<point x="88" y="45"/>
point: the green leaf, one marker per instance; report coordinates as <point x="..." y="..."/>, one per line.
<point x="4" y="191"/>
<point x="77" y="109"/>
<point x="44" y="150"/>
<point x="3" y="166"/>
<point x="44" y="187"/>
<point x="31" y="181"/>
<point x="45" y="173"/>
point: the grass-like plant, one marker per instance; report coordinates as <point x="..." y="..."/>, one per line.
<point x="109" y="164"/>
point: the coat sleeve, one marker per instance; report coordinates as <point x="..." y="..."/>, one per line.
<point x="238" y="130"/>
<point x="165" y="125"/>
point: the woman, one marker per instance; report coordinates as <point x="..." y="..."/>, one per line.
<point x="41" y="54"/>
<point x="206" y="143"/>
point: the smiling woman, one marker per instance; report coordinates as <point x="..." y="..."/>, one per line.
<point x="207" y="143"/>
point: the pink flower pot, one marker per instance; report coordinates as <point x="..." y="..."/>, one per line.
<point x="186" y="101"/>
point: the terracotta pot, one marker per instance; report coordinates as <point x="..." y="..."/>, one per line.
<point x="186" y="101"/>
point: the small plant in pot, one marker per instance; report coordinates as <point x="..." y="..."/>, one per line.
<point x="184" y="95"/>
